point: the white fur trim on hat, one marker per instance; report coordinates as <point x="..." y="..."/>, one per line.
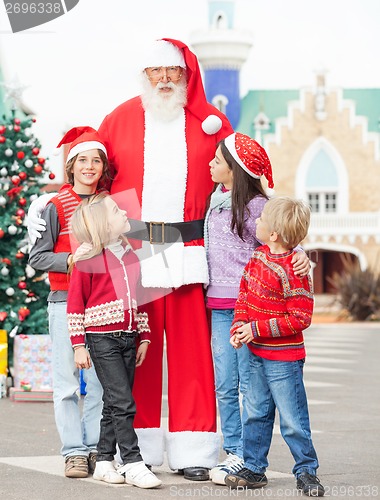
<point x="230" y="145"/>
<point x="85" y="146"/>
<point x="162" y="53"/>
<point x="212" y="124"/>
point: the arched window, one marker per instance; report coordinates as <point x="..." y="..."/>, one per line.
<point x="322" y="179"/>
<point x="220" y="101"/>
<point x="322" y="184"/>
<point x="220" y="21"/>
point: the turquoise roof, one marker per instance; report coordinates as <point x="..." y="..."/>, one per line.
<point x="274" y="103"/>
<point x="367" y="104"/>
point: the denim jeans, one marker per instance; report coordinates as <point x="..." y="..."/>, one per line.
<point x="114" y="358"/>
<point x="79" y="435"/>
<point x="277" y="384"/>
<point x="231" y="377"/>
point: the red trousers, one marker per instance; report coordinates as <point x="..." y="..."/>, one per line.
<point x="191" y="392"/>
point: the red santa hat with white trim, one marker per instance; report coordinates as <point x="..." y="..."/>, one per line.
<point x="252" y="157"/>
<point x="82" y="139"/>
<point x="170" y="52"/>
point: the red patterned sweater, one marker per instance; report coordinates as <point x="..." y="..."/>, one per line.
<point x="103" y="297"/>
<point x="277" y="303"/>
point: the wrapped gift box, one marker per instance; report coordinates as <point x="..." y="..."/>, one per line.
<point x="19" y="395"/>
<point x="32" y="362"/>
<point x="3" y="353"/>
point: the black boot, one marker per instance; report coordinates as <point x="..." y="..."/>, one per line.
<point x="195" y="473"/>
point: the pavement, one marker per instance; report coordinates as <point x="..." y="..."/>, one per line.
<point x="342" y="375"/>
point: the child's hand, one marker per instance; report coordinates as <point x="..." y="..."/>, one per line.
<point x="301" y="263"/>
<point x="244" y="333"/>
<point x="82" y="358"/>
<point x="236" y="344"/>
<point x="141" y="353"/>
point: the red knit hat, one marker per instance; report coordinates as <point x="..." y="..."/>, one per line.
<point x="196" y="98"/>
<point x="82" y="139"/>
<point x="250" y="156"/>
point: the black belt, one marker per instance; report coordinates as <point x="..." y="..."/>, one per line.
<point x="158" y="233"/>
<point x="119" y="333"/>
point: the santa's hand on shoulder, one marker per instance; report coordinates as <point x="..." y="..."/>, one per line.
<point x="35" y="224"/>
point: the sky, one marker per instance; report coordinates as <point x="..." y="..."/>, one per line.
<point x="80" y="66"/>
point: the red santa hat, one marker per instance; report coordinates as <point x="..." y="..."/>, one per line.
<point x="170" y="52"/>
<point x="82" y="139"/>
<point x="250" y="156"/>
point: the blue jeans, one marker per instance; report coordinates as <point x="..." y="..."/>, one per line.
<point x="114" y="358"/>
<point x="79" y="435"/>
<point x="277" y="384"/>
<point x="231" y="377"/>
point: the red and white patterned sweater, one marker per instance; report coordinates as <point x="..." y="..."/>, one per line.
<point x="103" y="297"/>
<point x="277" y="303"/>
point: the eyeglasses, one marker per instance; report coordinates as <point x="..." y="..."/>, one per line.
<point x="172" y="73"/>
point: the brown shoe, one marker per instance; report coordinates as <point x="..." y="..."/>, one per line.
<point x="76" y="466"/>
<point x="92" y="461"/>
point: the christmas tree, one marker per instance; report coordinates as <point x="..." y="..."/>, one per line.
<point x="23" y="291"/>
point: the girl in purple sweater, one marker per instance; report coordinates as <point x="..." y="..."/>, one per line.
<point x="230" y="238"/>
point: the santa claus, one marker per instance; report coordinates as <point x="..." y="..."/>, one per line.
<point x="159" y="146"/>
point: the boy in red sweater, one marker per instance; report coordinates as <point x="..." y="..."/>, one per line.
<point x="273" y="308"/>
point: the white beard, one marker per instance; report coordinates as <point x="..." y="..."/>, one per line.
<point x="164" y="107"/>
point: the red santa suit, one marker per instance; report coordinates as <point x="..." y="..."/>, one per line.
<point x="166" y="165"/>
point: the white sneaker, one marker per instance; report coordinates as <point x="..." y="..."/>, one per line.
<point x="139" y="475"/>
<point x="231" y="465"/>
<point x="105" y="471"/>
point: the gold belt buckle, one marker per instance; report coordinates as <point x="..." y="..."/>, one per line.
<point x="151" y="241"/>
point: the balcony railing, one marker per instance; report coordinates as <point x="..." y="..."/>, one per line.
<point x="351" y="225"/>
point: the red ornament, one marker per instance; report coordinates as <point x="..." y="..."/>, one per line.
<point x="19" y="255"/>
<point x="41" y="161"/>
<point x="23" y="175"/>
<point x="17" y="121"/>
<point x="2" y="129"/>
<point x="14" y="192"/>
<point x="34" y="120"/>
<point x="20" y="212"/>
<point x="22" y="201"/>
<point x="20" y="155"/>
<point x="36" y="151"/>
<point x="1" y="233"/>
<point x="6" y="261"/>
<point x="15" y="180"/>
<point x="17" y="128"/>
<point x="3" y="315"/>
<point x="51" y="176"/>
<point x="2" y="139"/>
<point x="38" y="169"/>
<point x="31" y="294"/>
<point x="22" y="285"/>
<point x="23" y="313"/>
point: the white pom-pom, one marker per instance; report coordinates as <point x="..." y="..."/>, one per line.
<point x="212" y="124"/>
<point x="56" y="151"/>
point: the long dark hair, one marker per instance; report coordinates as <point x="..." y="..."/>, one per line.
<point x="244" y="189"/>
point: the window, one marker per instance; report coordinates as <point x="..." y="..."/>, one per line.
<point x="220" y="102"/>
<point x="322" y="202"/>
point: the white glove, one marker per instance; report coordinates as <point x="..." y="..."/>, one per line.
<point x="35" y="224"/>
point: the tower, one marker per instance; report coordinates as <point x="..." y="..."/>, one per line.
<point x="222" y="50"/>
